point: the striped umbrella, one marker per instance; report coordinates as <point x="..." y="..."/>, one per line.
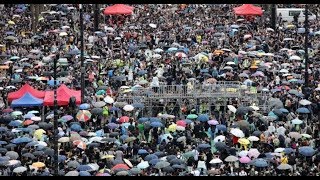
<point x="83" y="115"/>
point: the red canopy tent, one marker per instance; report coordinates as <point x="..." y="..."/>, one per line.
<point x="63" y="96"/>
<point x="25" y="89"/>
<point x="118" y="9"/>
<point x="248" y="9"/>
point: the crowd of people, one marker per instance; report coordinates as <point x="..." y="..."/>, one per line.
<point x="159" y="45"/>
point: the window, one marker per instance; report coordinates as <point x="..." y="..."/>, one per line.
<point x="293" y="13"/>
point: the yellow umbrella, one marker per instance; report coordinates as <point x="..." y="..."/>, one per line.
<point x="11" y="23"/>
<point x="38" y="133"/>
<point x="254" y="67"/>
<point x="217" y="52"/>
<point x="38" y="164"/>
<point x="172" y="128"/>
<point x="291" y="26"/>
<point x="243" y="141"/>
<point x="107" y="156"/>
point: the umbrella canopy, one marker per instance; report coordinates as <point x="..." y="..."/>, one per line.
<point x="83" y="115"/>
<point x="161" y="164"/>
<point x="237" y="132"/>
<point x="118" y="9"/>
<point x="261" y="163"/>
<point x="231" y="159"/>
<point x="245" y="160"/>
<point x="306" y="151"/>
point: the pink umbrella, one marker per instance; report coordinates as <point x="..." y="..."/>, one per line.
<point x="213" y="122"/>
<point x="181" y="123"/>
<point x="245" y="160"/>
<point x="124" y="119"/>
<point x="253" y="153"/>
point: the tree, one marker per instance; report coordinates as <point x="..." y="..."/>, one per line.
<point x="36" y="9"/>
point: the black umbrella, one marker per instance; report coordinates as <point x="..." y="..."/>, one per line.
<point x="257" y="133"/>
<point x="3" y="150"/>
<point x="114" y="134"/>
<point x="278" y="112"/>
<point x="38" y="153"/>
<point x="168" y="169"/>
<point x="171" y="157"/>
<point x="28" y="155"/>
<point x="242" y="110"/>
<point x="97" y="111"/>
<point x="177" y="161"/>
<point x="220" y="146"/>
<point x="47" y="73"/>
<point x="49" y="152"/>
<point x="93" y="145"/>
<point x="102" y="87"/>
<point x="108" y="139"/>
<point x="45" y="125"/>
<point x="63" y="73"/>
<point x="9" y="146"/>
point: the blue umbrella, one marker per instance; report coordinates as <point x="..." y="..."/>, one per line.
<point x="15" y="123"/>
<point x="3" y="129"/>
<point x="27" y="130"/>
<point x="100" y="133"/>
<point x="75" y="127"/>
<point x="74" y="52"/>
<point x="84" y="106"/>
<point x="21" y="140"/>
<point x="260" y="163"/>
<point x="114" y="109"/>
<point x="142" y="72"/>
<point x="84" y="173"/>
<point x="154" y="119"/>
<point x="303" y="110"/>
<point x="33" y="143"/>
<point x="154" y="161"/>
<point x="288" y="150"/>
<point x="188" y="121"/>
<point x="306" y="151"/>
<point x="124" y="137"/>
<point x="172" y="49"/>
<point x="10" y="33"/>
<point x="3" y="143"/>
<point x="142" y="151"/>
<point x="126" y="125"/>
<point x="203" y="117"/>
<point x="221" y="127"/>
<point x="156" y="124"/>
<point x="159" y="154"/>
<point x="28" y="116"/>
<point x="150" y="157"/>
<point x="204" y="146"/>
<point x="177" y="166"/>
<point x="138" y="105"/>
<point x="84" y="168"/>
<point x="112" y="125"/>
<point x="284" y="110"/>
<point x="204" y="70"/>
<point x="143" y="119"/>
<point x="4" y="158"/>
<point x="51" y="82"/>
<point x="61" y="158"/>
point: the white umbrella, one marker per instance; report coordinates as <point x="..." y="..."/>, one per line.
<point x="128" y="107"/>
<point x="128" y="163"/>
<point x="64" y="139"/>
<point x="296" y="121"/>
<point x="295" y="135"/>
<point x="228" y="68"/>
<point x="180" y="128"/>
<point x="219" y="138"/>
<point x="306" y="135"/>
<point x="108" y="100"/>
<point x="253" y="152"/>
<point x="153" y="25"/>
<point x="63" y="34"/>
<point x="143" y="165"/>
<point x="253" y="138"/>
<point x="256" y="108"/>
<point x="243" y="153"/>
<point x="181" y="54"/>
<point x="279" y="150"/>
<point x="284" y="167"/>
<point x="270" y="29"/>
<point x="231" y="158"/>
<point x="305" y="102"/>
<point x="294" y="57"/>
<point x="247" y="36"/>
<point x="237" y="132"/>
<point x="215" y="161"/>
<point x="230" y="63"/>
<point x="19" y="169"/>
<point x="36" y="118"/>
<point x="288" y="39"/>
<point x="232" y="108"/>
<point x="158" y="50"/>
<point x="284" y="71"/>
<point x="156" y="56"/>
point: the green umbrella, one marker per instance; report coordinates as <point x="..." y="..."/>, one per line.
<point x="101" y="92"/>
<point x="14" y="58"/>
<point x="12" y="38"/>
<point x="192" y="116"/>
<point x="16" y="113"/>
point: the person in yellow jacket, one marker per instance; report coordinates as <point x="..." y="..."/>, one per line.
<point x="284" y="159"/>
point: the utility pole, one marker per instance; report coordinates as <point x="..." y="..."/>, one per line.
<point x="306" y="54"/>
<point x="55" y="118"/>
<point x="82" y="53"/>
<point x="273" y="16"/>
<point x="96" y="17"/>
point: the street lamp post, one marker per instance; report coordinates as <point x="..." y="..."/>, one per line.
<point x="82" y="53"/>
<point x="306" y="54"/>
<point x="55" y="118"/>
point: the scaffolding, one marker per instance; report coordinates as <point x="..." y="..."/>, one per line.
<point x="171" y="98"/>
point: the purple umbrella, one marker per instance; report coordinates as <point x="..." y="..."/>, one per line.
<point x="213" y="122"/>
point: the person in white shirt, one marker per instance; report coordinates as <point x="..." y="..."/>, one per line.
<point x="243" y="173"/>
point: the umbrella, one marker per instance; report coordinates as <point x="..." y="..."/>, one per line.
<point x="202" y="117"/>
<point x="75" y="127"/>
<point x="221" y="127"/>
<point x="142" y="151"/>
<point x="124" y="119"/>
<point x="99" y="104"/>
<point x="84" y="106"/>
<point x="204" y="146"/>
<point x="20" y="169"/>
<point x="253" y="153"/>
<point x="143" y="165"/>
<point x="38" y="165"/>
<point x="150" y="157"/>
<point x="21" y="140"/>
<point x="156" y="124"/>
<point x="303" y="110"/>
<point x="261" y="163"/>
<point x="73" y="164"/>
<point x="237" y="132"/>
<point x="120" y="166"/>
<point x="219" y="138"/>
<point x="128" y="108"/>
<point x="232" y="108"/>
<point x="306" y="151"/>
<point x="84" y="168"/>
<point x="112" y="125"/>
<point x="253" y="138"/>
<point x="28" y="155"/>
<point x="231" y="158"/>
<point x="192" y="116"/>
<point x="243" y="141"/>
<point x="284" y="167"/>
<point x="215" y="161"/>
<point x="296" y="121"/>
<point x="243" y="153"/>
<point x="84" y="173"/>
<point x="72" y="173"/>
<point x="12" y="155"/>
<point x="83" y="115"/>
<point x="135" y="171"/>
<point x="242" y="110"/>
<point x="162" y="164"/>
<point x="97" y="111"/>
<point x="245" y="160"/>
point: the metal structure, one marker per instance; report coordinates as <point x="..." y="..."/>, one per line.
<point x="171" y="97"/>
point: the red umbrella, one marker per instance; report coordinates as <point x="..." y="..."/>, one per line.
<point x="124" y="119"/>
<point x="27" y="122"/>
<point x="118" y="9"/>
<point x="8" y="110"/>
<point x="120" y="166"/>
<point x="181" y="123"/>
